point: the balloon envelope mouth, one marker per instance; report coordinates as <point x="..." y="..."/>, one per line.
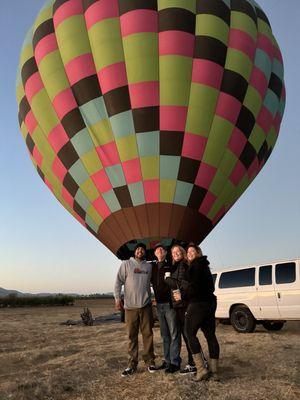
<point x="127" y="250"/>
<point x="151" y="223"/>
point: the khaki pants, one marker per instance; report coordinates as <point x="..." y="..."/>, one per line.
<point x="140" y="318"/>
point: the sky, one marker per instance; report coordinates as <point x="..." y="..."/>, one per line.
<point x="44" y="249"/>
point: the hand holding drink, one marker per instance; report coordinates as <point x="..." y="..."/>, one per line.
<point x="176" y="294"/>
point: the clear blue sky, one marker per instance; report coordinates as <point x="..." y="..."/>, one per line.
<point x="43" y="248"/>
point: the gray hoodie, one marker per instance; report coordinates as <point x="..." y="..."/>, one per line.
<point x="135" y="276"/>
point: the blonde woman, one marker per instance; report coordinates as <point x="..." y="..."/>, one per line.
<point x="179" y="300"/>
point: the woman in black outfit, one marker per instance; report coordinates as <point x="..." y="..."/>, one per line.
<point x="179" y="300"/>
<point x="201" y="311"/>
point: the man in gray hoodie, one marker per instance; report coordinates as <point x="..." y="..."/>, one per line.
<point x="135" y="275"/>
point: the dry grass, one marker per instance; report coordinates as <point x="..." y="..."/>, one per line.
<point x="43" y="360"/>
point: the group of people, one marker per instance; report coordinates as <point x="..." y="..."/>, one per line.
<point x="184" y="293"/>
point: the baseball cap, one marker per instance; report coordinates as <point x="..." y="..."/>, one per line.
<point x="159" y="245"/>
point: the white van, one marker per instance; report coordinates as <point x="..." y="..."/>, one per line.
<point x="267" y="294"/>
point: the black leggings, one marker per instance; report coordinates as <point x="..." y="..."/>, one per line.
<point x="202" y="315"/>
<point x="180" y="313"/>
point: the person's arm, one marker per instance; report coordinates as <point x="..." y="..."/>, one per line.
<point x="182" y="273"/>
<point x="181" y="281"/>
<point x="152" y="273"/>
<point x="120" y="280"/>
<point x="199" y="279"/>
<point x="184" y="285"/>
<point x="183" y="277"/>
<point x="172" y="283"/>
<point x="188" y="285"/>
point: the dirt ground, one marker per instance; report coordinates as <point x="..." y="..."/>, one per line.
<point x="40" y="359"/>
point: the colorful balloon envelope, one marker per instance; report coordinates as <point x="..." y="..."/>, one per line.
<point x="148" y="119"/>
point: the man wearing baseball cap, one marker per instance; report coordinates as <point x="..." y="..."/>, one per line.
<point x="169" y="329"/>
<point x="135" y="274"/>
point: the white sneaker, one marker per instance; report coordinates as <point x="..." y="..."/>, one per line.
<point x="152" y="368"/>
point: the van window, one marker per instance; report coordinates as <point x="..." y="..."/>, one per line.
<point x="285" y="273"/>
<point x="265" y="275"/>
<point x="241" y="277"/>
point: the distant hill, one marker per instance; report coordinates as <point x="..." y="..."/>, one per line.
<point x="8" y="292"/>
<point x="5" y="292"/>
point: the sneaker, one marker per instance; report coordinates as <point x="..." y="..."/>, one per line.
<point x="189" y="369"/>
<point x="152" y="368"/>
<point x="128" y="371"/>
<point x="172" y="368"/>
<point x="164" y="365"/>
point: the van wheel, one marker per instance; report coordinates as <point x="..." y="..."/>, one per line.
<point x="242" y="319"/>
<point x="272" y="326"/>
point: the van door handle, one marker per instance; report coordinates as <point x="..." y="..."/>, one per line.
<point x="278" y="295"/>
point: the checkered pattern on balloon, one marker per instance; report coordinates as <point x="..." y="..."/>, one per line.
<point x="148" y="119"/>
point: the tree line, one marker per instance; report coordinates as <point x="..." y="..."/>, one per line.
<point x="32" y="301"/>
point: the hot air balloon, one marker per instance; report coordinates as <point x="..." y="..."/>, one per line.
<point x="148" y="119"/>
